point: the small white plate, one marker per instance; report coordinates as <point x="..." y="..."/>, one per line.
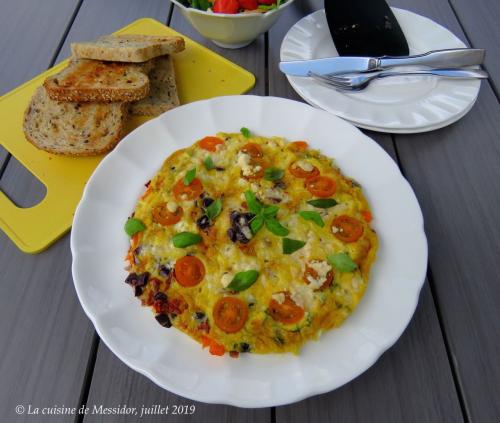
<point x="407" y="104"/>
<point x="172" y="359"/>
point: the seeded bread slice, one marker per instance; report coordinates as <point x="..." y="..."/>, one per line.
<point x="92" y="80"/>
<point x="128" y="48"/>
<point x="74" y="129"/>
<point x="163" y="90"/>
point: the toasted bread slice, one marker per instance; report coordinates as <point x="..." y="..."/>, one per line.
<point x="92" y="80"/>
<point x="74" y="129"/>
<point x="163" y="90"/>
<point x="128" y="48"/>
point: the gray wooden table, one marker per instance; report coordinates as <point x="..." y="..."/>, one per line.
<point x="445" y="367"/>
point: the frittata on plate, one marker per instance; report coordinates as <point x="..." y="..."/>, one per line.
<point x="250" y="244"/>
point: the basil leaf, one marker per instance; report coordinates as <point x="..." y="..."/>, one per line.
<point x="214" y="209"/>
<point x="133" y="225"/>
<point x="273" y="174"/>
<point x="253" y="204"/>
<point x="323" y="203"/>
<point x="185" y="239"/>
<point x="270" y="211"/>
<point x="190" y="175"/>
<point x="243" y="280"/>
<point x="292" y="245"/>
<point x="245" y="132"/>
<point x="342" y="262"/>
<point x="256" y="224"/>
<point x="209" y="163"/>
<point x="313" y="216"/>
<point x="276" y="227"/>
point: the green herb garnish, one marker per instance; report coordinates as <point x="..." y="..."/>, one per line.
<point x="256" y="223"/>
<point x="342" y="262"/>
<point x="243" y="280"/>
<point x="313" y="216"/>
<point x="253" y="204"/>
<point x="291" y="245"/>
<point x="185" y="239"/>
<point x="276" y="227"/>
<point x="245" y="132"/>
<point x="214" y="209"/>
<point x="323" y="203"/>
<point x="189" y="177"/>
<point x="273" y="174"/>
<point x="265" y="215"/>
<point x="209" y="163"/>
<point x="133" y="226"/>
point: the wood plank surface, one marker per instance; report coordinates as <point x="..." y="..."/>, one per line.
<point x="44" y="336"/>
<point x="413" y="381"/>
<point x="480" y="21"/>
<point x="134" y="389"/>
<point x="456" y="176"/>
<point x="114" y="383"/>
<point x="31" y="32"/>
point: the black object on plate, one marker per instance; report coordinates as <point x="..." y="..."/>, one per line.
<point x="365" y="28"/>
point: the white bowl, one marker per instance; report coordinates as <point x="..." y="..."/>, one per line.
<point x="231" y="31"/>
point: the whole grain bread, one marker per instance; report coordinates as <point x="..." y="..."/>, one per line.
<point x="75" y="129"/>
<point x="163" y="90"/>
<point x="92" y="80"/>
<point x="128" y="48"/>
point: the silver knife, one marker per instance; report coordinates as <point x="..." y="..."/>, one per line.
<point x="450" y="58"/>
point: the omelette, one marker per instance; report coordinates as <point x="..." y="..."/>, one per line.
<point x="250" y="244"/>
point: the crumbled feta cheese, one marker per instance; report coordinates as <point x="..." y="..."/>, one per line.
<point x="335" y="229"/>
<point x="226" y="279"/>
<point x="321" y="268"/>
<point x="302" y="295"/>
<point x="184" y="196"/>
<point x="304" y="165"/>
<point x="279" y="297"/>
<point x="172" y="206"/>
<point x="247" y="232"/>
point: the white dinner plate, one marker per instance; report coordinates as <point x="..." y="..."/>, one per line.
<point x="175" y="361"/>
<point x="406" y="104"/>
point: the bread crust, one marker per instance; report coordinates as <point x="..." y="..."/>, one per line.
<point x="128" y="48"/>
<point x="97" y="81"/>
<point x="73" y="129"/>
<point x="163" y="90"/>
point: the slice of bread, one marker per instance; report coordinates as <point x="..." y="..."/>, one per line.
<point x="92" y="80"/>
<point x="163" y="90"/>
<point x="128" y="48"/>
<point x="74" y="129"/>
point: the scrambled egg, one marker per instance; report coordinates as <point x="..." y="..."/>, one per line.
<point x="284" y="276"/>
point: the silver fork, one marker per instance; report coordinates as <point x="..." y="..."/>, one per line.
<point x="358" y="82"/>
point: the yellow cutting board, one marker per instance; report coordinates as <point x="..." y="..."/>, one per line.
<point x="200" y="74"/>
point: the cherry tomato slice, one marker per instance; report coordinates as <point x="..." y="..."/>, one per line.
<point x="189" y="271"/>
<point x="253" y="150"/>
<point x="259" y="174"/>
<point x="298" y="172"/>
<point x="288" y="312"/>
<point x="347" y="228"/>
<point x="210" y="143"/>
<point x="165" y="217"/>
<point x="299" y="145"/>
<point x="187" y="192"/>
<point x="321" y="186"/>
<point x="311" y="272"/>
<point x="230" y="314"/>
